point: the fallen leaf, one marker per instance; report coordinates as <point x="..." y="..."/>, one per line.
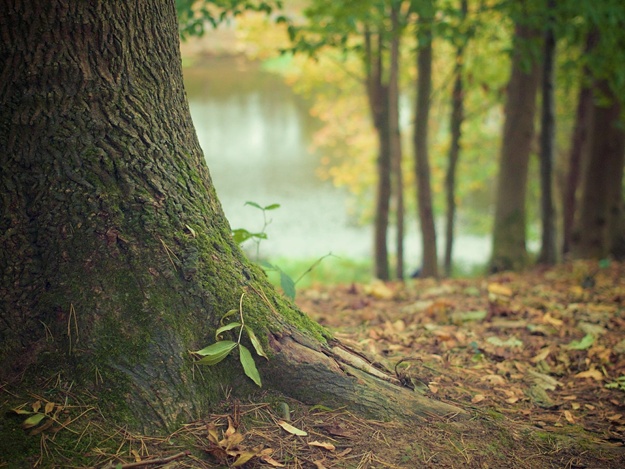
<point x="544" y="381"/>
<point x="614" y="417"/>
<point x="322" y="444"/>
<point x="592" y="373"/>
<point x="319" y="464"/>
<point x="499" y="289"/>
<point x="478" y="398"/>
<point x="548" y="319"/>
<point x="49" y="407"/>
<point x="494" y="379"/>
<point x="291" y="429"/>
<point x="542" y="355"/>
<point x="568" y="416"/>
<point x="244" y="457"/>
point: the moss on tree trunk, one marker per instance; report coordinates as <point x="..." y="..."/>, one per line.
<point x="116" y="256"/>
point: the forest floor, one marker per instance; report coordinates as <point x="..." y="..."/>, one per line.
<point x="536" y="359"/>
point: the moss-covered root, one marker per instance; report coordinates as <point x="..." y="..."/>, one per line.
<point x="317" y="374"/>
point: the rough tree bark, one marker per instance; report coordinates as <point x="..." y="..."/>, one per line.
<point x="420" y="136"/>
<point x="579" y="144"/>
<point x="455" y="125"/>
<point x="116" y="256"/>
<point x="601" y="206"/>
<point x="395" y="138"/>
<point x="378" y="95"/>
<point x="548" y="252"/>
<point x="509" y="249"/>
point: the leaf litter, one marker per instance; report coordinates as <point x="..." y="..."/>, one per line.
<point x="537" y="357"/>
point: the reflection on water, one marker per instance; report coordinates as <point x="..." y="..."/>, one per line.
<point x="256" y="134"/>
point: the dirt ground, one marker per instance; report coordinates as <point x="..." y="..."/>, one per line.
<point x="537" y="360"/>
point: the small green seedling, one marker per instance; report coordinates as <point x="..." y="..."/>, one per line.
<point x="215" y="353"/>
<point x="241" y="235"/>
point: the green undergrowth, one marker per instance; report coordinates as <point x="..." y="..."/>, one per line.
<point x="332" y="270"/>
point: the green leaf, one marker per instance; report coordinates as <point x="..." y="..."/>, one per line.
<point x="215" y="353"/>
<point x="33" y="420"/>
<point x="268" y="265"/>
<point x="255" y="342"/>
<point x="232" y="312"/>
<point x="22" y="411"/>
<point x="253" y="204"/>
<point x="248" y="365"/>
<point x="227" y="327"/>
<point x="583" y="344"/>
<point x="288" y="285"/>
<point x="271" y="207"/>
<point x="241" y="235"/>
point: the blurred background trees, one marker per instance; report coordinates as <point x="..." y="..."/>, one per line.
<point x="516" y="125"/>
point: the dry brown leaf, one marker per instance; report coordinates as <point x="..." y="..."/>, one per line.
<point x="592" y="373"/>
<point x="542" y="355"/>
<point x="568" y="416"/>
<point x="494" y="379"/>
<point x="548" y="319"/>
<point x="291" y="429"/>
<point x="136" y="454"/>
<point x="213" y="436"/>
<point x="272" y="462"/>
<point x="499" y="289"/>
<point x="49" y="407"/>
<point x="244" y="457"/>
<point x="614" y="417"/>
<point x="319" y="464"/>
<point x="36" y="406"/>
<point x="345" y="452"/>
<point x="323" y="444"/>
<point x="231" y="430"/>
<point x="478" y="398"/>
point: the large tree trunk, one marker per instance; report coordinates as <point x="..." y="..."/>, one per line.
<point x="377" y="93"/>
<point x="548" y="253"/>
<point x="422" y="164"/>
<point x="600" y="216"/>
<point x="455" y="125"/>
<point x="509" y="249"/>
<point x="116" y="257"/>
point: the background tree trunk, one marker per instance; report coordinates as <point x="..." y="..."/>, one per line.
<point x="548" y="252"/>
<point x="395" y="138"/>
<point x="377" y="93"/>
<point x="509" y="250"/>
<point x="579" y="143"/>
<point x="600" y="215"/>
<point x="422" y="165"/>
<point x="455" y="125"/>
<point x="116" y="256"/>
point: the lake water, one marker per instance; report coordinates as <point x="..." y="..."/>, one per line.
<point x="256" y="136"/>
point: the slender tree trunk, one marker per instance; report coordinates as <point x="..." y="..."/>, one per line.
<point x="377" y="93"/>
<point x="457" y="117"/>
<point x="548" y="252"/>
<point x="395" y="138"/>
<point x="422" y="164"/>
<point x="116" y="256"/>
<point x="579" y="147"/>
<point x="509" y="249"/>
<point x="601" y="203"/>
